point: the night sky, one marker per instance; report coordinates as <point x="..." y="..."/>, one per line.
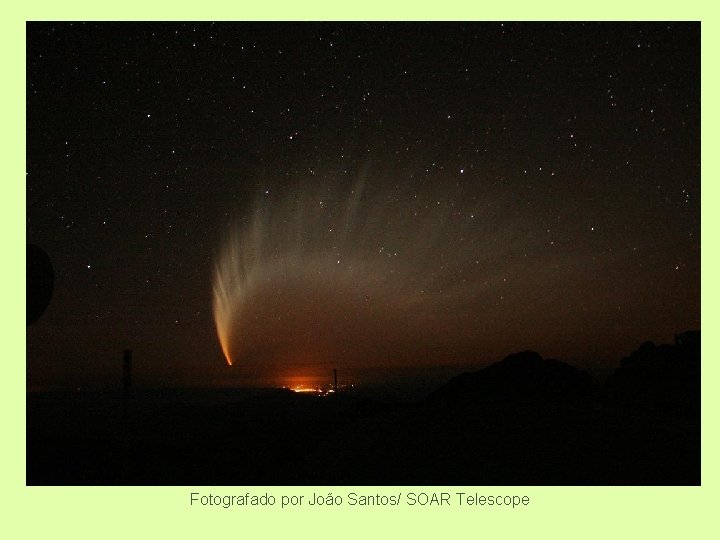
<point x="360" y="196"/>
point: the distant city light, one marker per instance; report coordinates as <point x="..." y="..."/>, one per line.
<point x="321" y="390"/>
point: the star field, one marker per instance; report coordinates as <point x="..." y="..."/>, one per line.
<point x="542" y="178"/>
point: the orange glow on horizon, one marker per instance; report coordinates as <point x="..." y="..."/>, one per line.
<point x="312" y="384"/>
<point x="303" y="383"/>
<point x="303" y="389"/>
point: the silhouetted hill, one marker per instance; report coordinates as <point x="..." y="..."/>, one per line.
<point x="659" y="378"/>
<point x="522" y="421"/>
<point x="521" y="378"/>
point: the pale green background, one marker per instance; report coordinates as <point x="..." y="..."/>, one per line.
<point x="558" y="512"/>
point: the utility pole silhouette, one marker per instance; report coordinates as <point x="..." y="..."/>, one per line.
<point x="335" y="386"/>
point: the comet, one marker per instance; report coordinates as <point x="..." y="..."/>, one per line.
<point x="375" y="272"/>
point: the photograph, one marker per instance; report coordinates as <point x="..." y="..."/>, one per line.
<point x="350" y="253"/>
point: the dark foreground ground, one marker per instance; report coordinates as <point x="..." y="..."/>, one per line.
<point x="522" y="421"/>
